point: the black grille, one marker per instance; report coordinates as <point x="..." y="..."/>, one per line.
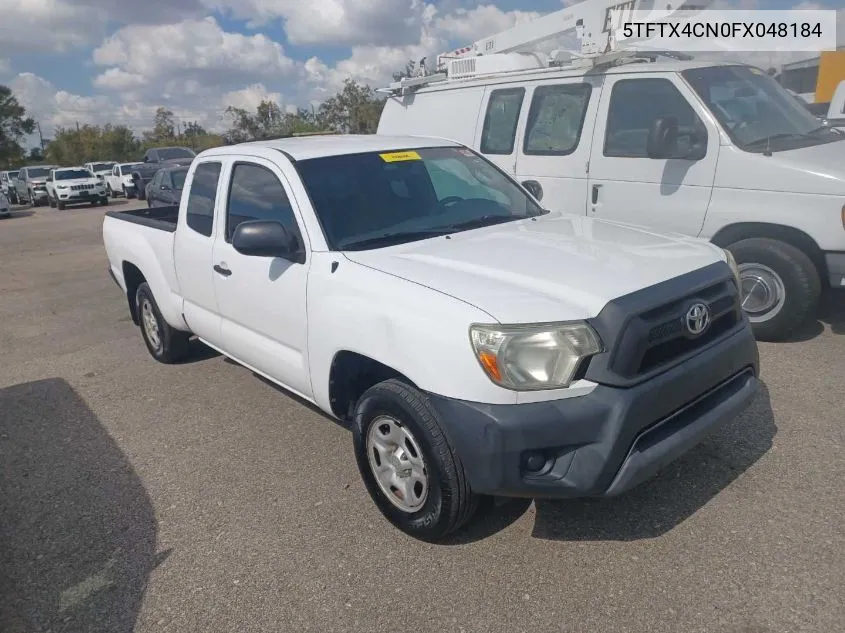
<point x="646" y="332"/>
<point x="668" y="338"/>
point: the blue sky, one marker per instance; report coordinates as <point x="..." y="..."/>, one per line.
<point x="95" y="61"/>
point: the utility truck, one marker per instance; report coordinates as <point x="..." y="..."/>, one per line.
<point x="476" y="343"/>
<point x="651" y="138"/>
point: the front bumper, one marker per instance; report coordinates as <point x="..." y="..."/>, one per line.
<point x="836" y="269"/>
<point x="71" y="197"/>
<point x="608" y="441"/>
<point x="38" y="194"/>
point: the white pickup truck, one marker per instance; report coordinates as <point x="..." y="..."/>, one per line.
<point x="476" y="343"/>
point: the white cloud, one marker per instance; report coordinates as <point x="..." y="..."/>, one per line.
<point x="47" y="26"/>
<point x="333" y="22"/>
<point x="196" y="50"/>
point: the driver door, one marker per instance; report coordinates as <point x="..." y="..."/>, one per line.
<point x="624" y="183"/>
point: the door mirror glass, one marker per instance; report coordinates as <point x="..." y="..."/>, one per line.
<point x="534" y="189"/>
<point x="265" y="238"/>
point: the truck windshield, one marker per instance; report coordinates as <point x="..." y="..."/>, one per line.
<point x="37" y="172"/>
<point x="377" y="199"/>
<point x="102" y="166"/>
<point x="757" y="113"/>
<point x="170" y="153"/>
<point x="70" y="174"/>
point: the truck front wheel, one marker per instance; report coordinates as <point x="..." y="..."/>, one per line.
<point x="780" y="286"/>
<point x="408" y="466"/>
<point x="165" y="344"/>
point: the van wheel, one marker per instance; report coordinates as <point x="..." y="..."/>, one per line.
<point x="165" y="344"/>
<point x="408" y="466"/>
<point x="51" y="202"/>
<point x="780" y="286"/>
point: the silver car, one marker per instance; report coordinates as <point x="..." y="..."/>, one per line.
<point x="31" y="185"/>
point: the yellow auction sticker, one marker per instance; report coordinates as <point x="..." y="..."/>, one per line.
<point x="394" y="157"/>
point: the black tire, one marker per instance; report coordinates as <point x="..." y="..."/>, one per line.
<point x="111" y="192"/>
<point x="450" y="503"/>
<point x="60" y="206"/>
<point x="51" y="202"/>
<point x="800" y="279"/>
<point x="172" y="343"/>
<point x="104" y="201"/>
<point x="13" y="196"/>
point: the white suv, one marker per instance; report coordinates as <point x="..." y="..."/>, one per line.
<point x="74" y="185"/>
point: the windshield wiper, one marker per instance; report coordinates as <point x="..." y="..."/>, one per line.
<point x="773" y="137"/>
<point x="394" y="238"/>
<point x="487" y="220"/>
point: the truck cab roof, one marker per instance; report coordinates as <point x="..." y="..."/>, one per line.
<point x="303" y="148"/>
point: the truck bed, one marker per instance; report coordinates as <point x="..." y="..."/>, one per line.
<point x="161" y="218"/>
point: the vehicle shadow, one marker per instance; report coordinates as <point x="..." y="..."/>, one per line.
<point x="654" y="507"/>
<point x="197" y="352"/>
<point x="831" y="313"/>
<point x="18" y="213"/>
<point x="78" y="530"/>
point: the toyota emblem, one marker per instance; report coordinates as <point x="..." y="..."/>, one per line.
<point x="697" y="319"/>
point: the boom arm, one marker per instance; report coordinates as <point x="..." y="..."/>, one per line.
<point x="591" y="22"/>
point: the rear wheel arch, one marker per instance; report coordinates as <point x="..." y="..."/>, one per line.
<point x="132" y="277"/>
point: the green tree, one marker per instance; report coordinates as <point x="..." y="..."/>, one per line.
<point x="354" y="110"/>
<point x="194" y="129"/>
<point x="14" y="125"/>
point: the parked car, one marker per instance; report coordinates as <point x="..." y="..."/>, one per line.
<point x="31" y="184"/>
<point x="169" y="155"/>
<point x="7" y="183"/>
<point x="120" y="182"/>
<point x="165" y="189"/>
<point x="74" y="185"/>
<point x="476" y="343"/>
<point x="101" y="169"/>
<point x="721" y="152"/>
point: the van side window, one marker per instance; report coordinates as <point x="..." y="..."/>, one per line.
<point x="635" y="104"/>
<point x="499" y="131"/>
<point x="203" y="194"/>
<point x="256" y="194"/>
<point x="556" y="119"/>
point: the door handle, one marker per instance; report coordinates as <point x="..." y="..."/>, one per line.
<point x="222" y="270"/>
<point x="596" y="193"/>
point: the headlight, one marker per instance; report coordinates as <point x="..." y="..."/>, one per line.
<point x="734" y="268"/>
<point x="61" y="186"/>
<point x="533" y="357"/>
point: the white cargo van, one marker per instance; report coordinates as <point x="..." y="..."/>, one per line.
<point x="716" y="151"/>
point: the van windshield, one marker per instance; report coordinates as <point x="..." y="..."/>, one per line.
<point x="378" y="199"/>
<point x="757" y="113"/>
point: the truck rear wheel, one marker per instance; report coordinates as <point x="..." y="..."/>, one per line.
<point x="408" y="466"/>
<point x="165" y="344"/>
<point x="780" y="286"/>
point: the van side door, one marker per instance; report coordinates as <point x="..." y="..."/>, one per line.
<point x="626" y="184"/>
<point x="554" y="146"/>
<point x="497" y="125"/>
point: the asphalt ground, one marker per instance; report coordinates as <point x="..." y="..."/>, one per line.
<point x="142" y="497"/>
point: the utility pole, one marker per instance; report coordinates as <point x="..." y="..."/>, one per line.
<point x="77" y="126"/>
<point x="41" y="137"/>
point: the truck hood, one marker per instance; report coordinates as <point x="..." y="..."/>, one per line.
<point x="553" y="268"/>
<point x="815" y="170"/>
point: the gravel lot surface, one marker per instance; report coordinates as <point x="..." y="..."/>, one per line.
<point x="141" y="497"/>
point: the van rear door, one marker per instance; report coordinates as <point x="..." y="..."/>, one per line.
<point x="669" y="194"/>
<point x="553" y="148"/>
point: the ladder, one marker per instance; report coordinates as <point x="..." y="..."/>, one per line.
<point x="593" y="23"/>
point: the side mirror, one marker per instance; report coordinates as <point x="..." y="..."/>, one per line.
<point x="265" y="238"/>
<point x="662" y="139"/>
<point x="534" y="188"/>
